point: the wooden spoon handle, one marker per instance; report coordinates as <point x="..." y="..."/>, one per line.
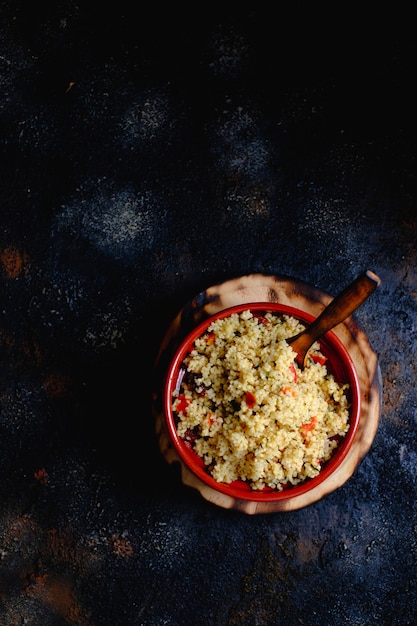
<point x="338" y="310"/>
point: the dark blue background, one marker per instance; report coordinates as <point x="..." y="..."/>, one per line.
<point x="146" y="154"/>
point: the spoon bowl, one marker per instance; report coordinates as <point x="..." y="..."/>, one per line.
<point x="337" y="311"/>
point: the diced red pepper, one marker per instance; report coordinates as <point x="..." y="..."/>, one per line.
<point x="250" y="399"/>
<point x="183" y="403"/>
<point x="262" y="319"/>
<point x="210" y="339"/>
<point x="308" y="426"/>
<point x="319" y="358"/>
<point x="293" y="372"/>
<point x="211" y="418"/>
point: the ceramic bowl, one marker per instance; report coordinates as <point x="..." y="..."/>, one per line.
<point x="339" y="363"/>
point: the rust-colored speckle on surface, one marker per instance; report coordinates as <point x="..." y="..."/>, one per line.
<point x="62" y="546"/>
<point x="122" y="547"/>
<point x="32" y="352"/>
<point x="57" y="385"/>
<point x="21" y="529"/>
<point x="13" y="261"/>
<point x="42" y="476"/>
<point x="57" y="592"/>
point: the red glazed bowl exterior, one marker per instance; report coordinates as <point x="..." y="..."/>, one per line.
<point x="339" y="363"/>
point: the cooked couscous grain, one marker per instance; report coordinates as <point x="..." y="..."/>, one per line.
<point x="250" y="412"/>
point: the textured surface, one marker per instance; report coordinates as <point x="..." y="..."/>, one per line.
<point x="145" y="157"/>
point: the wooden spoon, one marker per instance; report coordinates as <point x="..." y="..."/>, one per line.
<point x="338" y="310"/>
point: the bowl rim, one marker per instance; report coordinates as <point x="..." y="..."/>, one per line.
<point x="240" y="490"/>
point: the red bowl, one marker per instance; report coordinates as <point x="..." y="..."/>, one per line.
<point x="339" y="363"/>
